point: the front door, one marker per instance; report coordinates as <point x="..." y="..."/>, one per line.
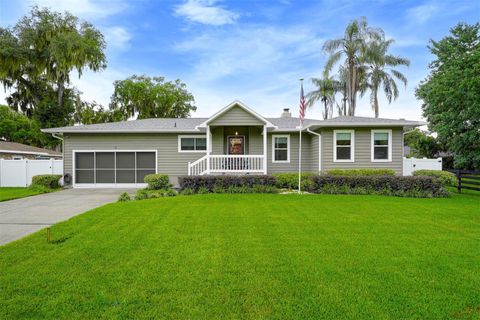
<point x="236" y="144"/>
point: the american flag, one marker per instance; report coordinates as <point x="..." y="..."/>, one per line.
<point x="302" y="104"/>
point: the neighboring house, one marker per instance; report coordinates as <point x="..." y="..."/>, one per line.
<point x="18" y="151"/>
<point x="235" y="140"/>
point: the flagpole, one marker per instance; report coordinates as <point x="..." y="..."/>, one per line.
<point x="300" y="150"/>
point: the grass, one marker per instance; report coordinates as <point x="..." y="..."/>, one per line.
<point x="252" y="257"/>
<point x="10" y="193"/>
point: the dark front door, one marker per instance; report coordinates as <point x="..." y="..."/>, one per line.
<point x="236" y="144"/>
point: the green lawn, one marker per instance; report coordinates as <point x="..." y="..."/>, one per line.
<point x="7" y="193"/>
<point x="252" y="257"/>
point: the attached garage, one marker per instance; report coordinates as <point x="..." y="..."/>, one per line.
<point x="112" y="168"/>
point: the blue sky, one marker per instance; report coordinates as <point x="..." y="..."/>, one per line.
<point x="252" y="51"/>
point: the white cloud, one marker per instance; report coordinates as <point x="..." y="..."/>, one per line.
<point x="117" y="37"/>
<point x="249" y="50"/>
<point x="205" y="12"/>
<point x="84" y="8"/>
<point x="423" y="13"/>
<point x="98" y="86"/>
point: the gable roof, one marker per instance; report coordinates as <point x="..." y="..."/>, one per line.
<point x="197" y="125"/>
<point x="234" y="104"/>
<point x="14" y="147"/>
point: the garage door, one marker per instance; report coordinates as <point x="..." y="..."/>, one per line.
<point x="105" y="168"/>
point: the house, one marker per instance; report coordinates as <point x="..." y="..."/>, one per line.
<point x="18" y="151"/>
<point x="235" y="140"/>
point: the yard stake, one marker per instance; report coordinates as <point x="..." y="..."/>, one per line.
<point x="48" y="235"/>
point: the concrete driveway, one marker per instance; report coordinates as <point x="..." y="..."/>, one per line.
<point x="21" y="217"/>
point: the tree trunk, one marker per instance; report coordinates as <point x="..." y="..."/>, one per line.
<point x="60" y="91"/>
<point x="325" y="115"/>
<point x="375" y="103"/>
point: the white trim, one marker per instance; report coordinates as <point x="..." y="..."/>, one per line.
<point x="244" y="142"/>
<point x="265" y="138"/>
<point x="231" y="105"/>
<point x="110" y="185"/>
<point x="180" y="137"/>
<point x="273" y="148"/>
<point x="352" y="145"/>
<point x="372" y="154"/>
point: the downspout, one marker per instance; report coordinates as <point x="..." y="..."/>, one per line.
<point x="319" y="148"/>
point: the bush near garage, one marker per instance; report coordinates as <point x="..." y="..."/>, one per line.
<point x="157" y="181"/>
<point x="49" y="181"/>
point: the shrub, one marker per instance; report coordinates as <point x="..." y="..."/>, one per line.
<point x="49" y="181"/>
<point x="290" y="180"/>
<point x="187" y="192"/>
<point x="143" y="194"/>
<point x="124" y="197"/>
<point x="360" y="172"/>
<point x="157" y="181"/>
<point x="220" y="184"/>
<point x="382" y="185"/>
<point x="446" y="178"/>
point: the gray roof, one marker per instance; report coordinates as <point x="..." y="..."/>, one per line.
<point x="190" y="124"/>
<point x="351" y="121"/>
<point x="19" y="148"/>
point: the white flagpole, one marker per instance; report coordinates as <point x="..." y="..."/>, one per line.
<point x="300" y="153"/>
<point x="300" y="161"/>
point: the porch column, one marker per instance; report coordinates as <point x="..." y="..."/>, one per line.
<point x="209" y="148"/>
<point x="264" y="149"/>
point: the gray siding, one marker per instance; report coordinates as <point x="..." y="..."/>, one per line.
<point x="292" y="166"/>
<point x="169" y="160"/>
<point x="218" y="140"/>
<point x="362" y="151"/>
<point x="255" y="141"/>
<point x="236" y="116"/>
<point x="314" y="153"/>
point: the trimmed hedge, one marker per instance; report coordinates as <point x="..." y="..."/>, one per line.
<point x="50" y="181"/>
<point x="446" y="178"/>
<point x="290" y="180"/>
<point x="221" y="184"/>
<point x="360" y="172"/>
<point x="157" y="181"/>
<point x="419" y="187"/>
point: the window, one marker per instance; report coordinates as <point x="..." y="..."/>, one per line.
<point x="281" y="148"/>
<point x="192" y="143"/>
<point x="113" y="167"/>
<point x="17" y="158"/>
<point x="343" y="145"/>
<point x="381" y="145"/>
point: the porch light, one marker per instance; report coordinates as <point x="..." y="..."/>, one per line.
<point x="236" y="133"/>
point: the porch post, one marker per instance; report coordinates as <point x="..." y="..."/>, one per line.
<point x="209" y="147"/>
<point x="264" y="149"/>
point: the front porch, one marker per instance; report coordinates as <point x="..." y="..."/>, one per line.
<point x="231" y="164"/>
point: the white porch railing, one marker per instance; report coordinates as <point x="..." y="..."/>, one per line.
<point x="227" y="164"/>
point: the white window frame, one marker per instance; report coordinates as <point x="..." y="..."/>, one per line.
<point x="352" y="146"/>
<point x="109" y="185"/>
<point x="288" y="148"/>
<point x="372" y="146"/>
<point x="180" y="137"/>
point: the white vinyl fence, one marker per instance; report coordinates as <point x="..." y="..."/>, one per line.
<point x="19" y="173"/>
<point x="413" y="164"/>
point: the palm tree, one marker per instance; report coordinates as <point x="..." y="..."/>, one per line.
<point x="381" y="72"/>
<point x="353" y="46"/>
<point x="325" y="93"/>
